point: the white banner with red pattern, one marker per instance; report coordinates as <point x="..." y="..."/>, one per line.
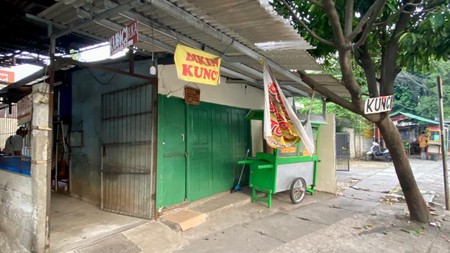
<point x="282" y="128"/>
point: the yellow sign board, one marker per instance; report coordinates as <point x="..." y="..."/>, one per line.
<point x="197" y="66"/>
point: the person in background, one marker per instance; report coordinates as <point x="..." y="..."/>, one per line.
<point x="423" y="143"/>
<point x="14" y="143"/>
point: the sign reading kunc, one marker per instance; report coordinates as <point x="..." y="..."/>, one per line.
<point x="124" y="38"/>
<point x="378" y="104"/>
<point x="197" y="66"/>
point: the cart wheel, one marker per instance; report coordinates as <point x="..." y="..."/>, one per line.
<point x="298" y="190"/>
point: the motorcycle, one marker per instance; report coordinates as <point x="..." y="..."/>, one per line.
<point x="377" y="153"/>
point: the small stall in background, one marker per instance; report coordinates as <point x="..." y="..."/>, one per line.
<point x="290" y="169"/>
<point x="410" y="126"/>
<point x="20" y="164"/>
<point x="434" y="150"/>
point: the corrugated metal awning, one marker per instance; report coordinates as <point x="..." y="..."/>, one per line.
<point x="411" y="117"/>
<point x="241" y="31"/>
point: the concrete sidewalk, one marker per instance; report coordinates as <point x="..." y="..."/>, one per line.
<point x="359" y="219"/>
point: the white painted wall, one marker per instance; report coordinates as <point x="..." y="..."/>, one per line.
<point x="326" y="169"/>
<point x="231" y="94"/>
<point x="16" y="209"/>
<point x="257" y="136"/>
<point x="358" y="144"/>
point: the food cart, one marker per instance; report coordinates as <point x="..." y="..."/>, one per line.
<point x="277" y="170"/>
<point x="434" y="142"/>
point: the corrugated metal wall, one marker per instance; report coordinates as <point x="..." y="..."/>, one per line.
<point x="8" y="124"/>
<point x="127" y="163"/>
<point x="343" y="151"/>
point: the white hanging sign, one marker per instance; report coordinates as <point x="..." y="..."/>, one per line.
<point x="378" y="104"/>
<point x="124" y="38"/>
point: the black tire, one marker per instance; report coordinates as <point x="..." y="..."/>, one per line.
<point x="298" y="190"/>
<point x="369" y="157"/>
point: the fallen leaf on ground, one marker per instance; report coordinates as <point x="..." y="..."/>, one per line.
<point x="334" y="206"/>
<point x="405" y="230"/>
<point x="445" y="238"/>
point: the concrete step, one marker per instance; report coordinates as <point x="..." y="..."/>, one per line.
<point x="183" y="220"/>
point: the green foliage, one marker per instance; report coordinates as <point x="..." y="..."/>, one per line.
<point x="428" y="38"/>
<point x="408" y="90"/>
<point x="417" y="93"/>
<point x="344" y="117"/>
<point x="427" y="35"/>
<point x="428" y="104"/>
<point x="313" y="17"/>
<point x="331" y="66"/>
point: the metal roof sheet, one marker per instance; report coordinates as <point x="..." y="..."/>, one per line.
<point x="410" y="116"/>
<point x="244" y="22"/>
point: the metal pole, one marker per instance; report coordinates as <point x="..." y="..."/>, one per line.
<point x="442" y="138"/>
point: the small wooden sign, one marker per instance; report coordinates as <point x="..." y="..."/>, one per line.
<point x="191" y="95"/>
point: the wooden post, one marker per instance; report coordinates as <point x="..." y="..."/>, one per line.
<point x="442" y="138"/>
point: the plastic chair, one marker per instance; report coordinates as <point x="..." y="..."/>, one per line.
<point x="407" y="148"/>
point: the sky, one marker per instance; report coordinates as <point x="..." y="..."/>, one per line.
<point x="90" y="54"/>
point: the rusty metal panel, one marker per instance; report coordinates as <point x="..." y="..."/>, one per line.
<point x="127" y="155"/>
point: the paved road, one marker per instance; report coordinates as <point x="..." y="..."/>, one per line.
<point x="355" y="222"/>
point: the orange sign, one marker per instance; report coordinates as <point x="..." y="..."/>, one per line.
<point x="192" y="95"/>
<point x="6" y="76"/>
<point x="197" y="66"/>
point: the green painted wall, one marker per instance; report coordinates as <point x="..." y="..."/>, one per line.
<point x="215" y="138"/>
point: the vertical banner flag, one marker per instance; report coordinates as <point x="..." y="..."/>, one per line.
<point x="197" y="66"/>
<point x="282" y="128"/>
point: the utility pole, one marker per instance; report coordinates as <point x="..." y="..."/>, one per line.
<point x="443" y="140"/>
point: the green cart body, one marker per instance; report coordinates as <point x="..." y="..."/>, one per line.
<point x="276" y="172"/>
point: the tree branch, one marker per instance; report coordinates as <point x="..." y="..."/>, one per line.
<point x="378" y="6"/>
<point x="348" y="76"/>
<point x="365" y="18"/>
<point x="326" y="92"/>
<point x="348" y="17"/>
<point x="311" y="32"/>
<point x="316" y="3"/>
<point x="330" y="9"/>
<point x="390" y="70"/>
<point x="426" y="9"/>
<point x="367" y="64"/>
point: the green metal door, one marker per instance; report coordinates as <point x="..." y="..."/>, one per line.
<point x="223" y="166"/>
<point x="172" y="161"/>
<point x="240" y="142"/>
<point x="199" y="178"/>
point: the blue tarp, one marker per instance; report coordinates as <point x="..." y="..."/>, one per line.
<point x="15" y="164"/>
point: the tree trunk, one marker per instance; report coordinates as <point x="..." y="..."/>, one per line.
<point x="417" y="207"/>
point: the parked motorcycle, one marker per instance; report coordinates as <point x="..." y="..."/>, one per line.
<point x="377" y="153"/>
